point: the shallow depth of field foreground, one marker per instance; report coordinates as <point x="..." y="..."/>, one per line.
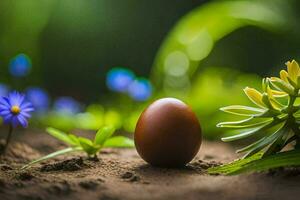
<point x="151" y="100"/>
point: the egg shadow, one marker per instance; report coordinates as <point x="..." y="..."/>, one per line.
<point x="146" y="170"/>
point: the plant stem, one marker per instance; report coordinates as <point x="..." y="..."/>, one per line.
<point x="10" y="130"/>
<point x="292" y="120"/>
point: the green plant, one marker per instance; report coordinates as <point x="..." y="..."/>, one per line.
<point x="103" y="138"/>
<point x="275" y="121"/>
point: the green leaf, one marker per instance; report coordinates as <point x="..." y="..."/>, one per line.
<point x="276" y="146"/>
<point x="251" y="146"/>
<point x="281" y="85"/>
<point x="119" y="141"/>
<point x="103" y="134"/>
<point x="74" y="138"/>
<point x="52" y="155"/>
<point x="64" y="137"/>
<point x="248" y="132"/>
<point x="266" y="141"/>
<point x="270" y="113"/>
<point x="88" y="146"/>
<point x="242" y="110"/>
<point x="256" y="163"/>
<point x="233" y="166"/>
<point x="246" y="123"/>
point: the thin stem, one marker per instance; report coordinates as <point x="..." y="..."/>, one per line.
<point x="10" y="130"/>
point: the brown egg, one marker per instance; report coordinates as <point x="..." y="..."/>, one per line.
<point x="168" y="133"/>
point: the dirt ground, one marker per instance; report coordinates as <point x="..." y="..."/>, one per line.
<point x="120" y="174"/>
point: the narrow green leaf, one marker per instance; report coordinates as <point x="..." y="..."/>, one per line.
<point x="103" y="134"/>
<point x="276" y="146"/>
<point x="267" y="141"/>
<point x="233" y="166"/>
<point x="251" y="146"/>
<point x="52" y="155"/>
<point x="242" y="110"/>
<point x="248" y="132"/>
<point x="61" y="136"/>
<point x="74" y="138"/>
<point x="255" y="163"/>
<point x="246" y="123"/>
<point x="119" y="141"/>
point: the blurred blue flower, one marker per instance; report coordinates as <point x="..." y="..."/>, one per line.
<point x="39" y="98"/>
<point x="20" y="66"/>
<point x="4" y="90"/>
<point x="118" y="79"/>
<point x="15" y="110"/>
<point x="67" y="105"/>
<point x="140" y="89"/>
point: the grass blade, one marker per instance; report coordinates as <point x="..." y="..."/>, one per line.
<point x="51" y="155"/>
<point x="254" y="163"/>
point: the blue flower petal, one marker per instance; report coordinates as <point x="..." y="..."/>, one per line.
<point x="4" y="112"/>
<point x="16" y="99"/>
<point x="22" y="121"/>
<point x="2" y="107"/>
<point x="7" y="119"/>
<point x="5" y="101"/>
<point x="26" y="105"/>
<point x="25" y="114"/>
<point x="19" y="118"/>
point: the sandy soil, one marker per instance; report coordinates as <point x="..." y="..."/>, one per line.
<point x="121" y="174"/>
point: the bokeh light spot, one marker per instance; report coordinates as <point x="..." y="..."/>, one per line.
<point x="67" y="105"/>
<point x="140" y="89"/>
<point x="119" y="79"/>
<point x="39" y="98"/>
<point x="4" y="90"/>
<point x="176" y="63"/>
<point x="200" y="47"/>
<point x="20" y="66"/>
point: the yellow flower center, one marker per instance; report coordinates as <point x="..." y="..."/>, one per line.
<point x="15" y="110"/>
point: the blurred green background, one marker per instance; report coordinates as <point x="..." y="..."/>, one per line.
<point x="203" y="52"/>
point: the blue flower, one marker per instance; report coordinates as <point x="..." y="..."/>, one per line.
<point x="4" y="90"/>
<point x="39" y="99"/>
<point x="140" y="89"/>
<point x="15" y="110"/>
<point x="20" y="66"/>
<point x="67" y="105"/>
<point x="118" y="79"/>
